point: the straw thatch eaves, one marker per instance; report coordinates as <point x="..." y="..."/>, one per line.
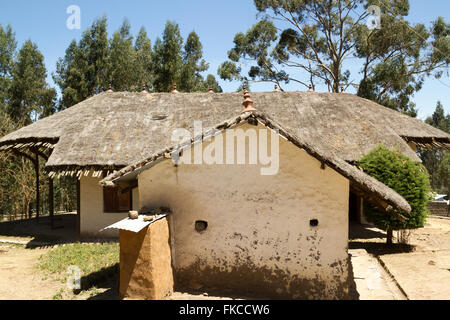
<point x="114" y="129"/>
<point x="361" y="183"/>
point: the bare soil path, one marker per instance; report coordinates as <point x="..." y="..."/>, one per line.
<point x="22" y="242"/>
<point x="372" y="281"/>
<point x="19" y="278"/>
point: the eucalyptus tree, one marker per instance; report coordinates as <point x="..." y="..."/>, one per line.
<point x="122" y="59"/>
<point x="84" y="69"/>
<point x="211" y="83"/>
<point x="167" y="59"/>
<point x="29" y="95"/>
<point x="94" y="63"/>
<point x="313" y="42"/>
<point x="143" y="59"/>
<point x="8" y="45"/>
<point x="193" y="64"/>
<point x="26" y="97"/>
<point x="94" y="43"/>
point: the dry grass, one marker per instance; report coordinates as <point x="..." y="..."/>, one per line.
<point x="98" y="262"/>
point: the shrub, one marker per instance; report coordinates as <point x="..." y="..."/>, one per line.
<point x="410" y="179"/>
<point x="444" y="173"/>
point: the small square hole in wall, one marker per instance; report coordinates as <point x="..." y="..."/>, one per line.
<point x="201" y="226"/>
<point x="313" y="222"/>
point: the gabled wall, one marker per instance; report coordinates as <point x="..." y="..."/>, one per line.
<point x="259" y="240"/>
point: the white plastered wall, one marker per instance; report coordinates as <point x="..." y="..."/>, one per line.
<point x="257" y="223"/>
<point x="93" y="218"/>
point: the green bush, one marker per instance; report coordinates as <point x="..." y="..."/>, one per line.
<point x="444" y="173"/>
<point x="410" y="179"/>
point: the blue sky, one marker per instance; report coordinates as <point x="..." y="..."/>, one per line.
<point x="216" y="22"/>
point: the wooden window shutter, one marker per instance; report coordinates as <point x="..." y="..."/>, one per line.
<point x="124" y="200"/>
<point x="110" y="201"/>
<point x="116" y="200"/>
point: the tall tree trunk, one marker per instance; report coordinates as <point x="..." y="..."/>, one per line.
<point x="337" y="80"/>
<point x="389" y="236"/>
<point x="336" y="87"/>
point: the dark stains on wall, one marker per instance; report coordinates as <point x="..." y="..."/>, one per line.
<point x="248" y="280"/>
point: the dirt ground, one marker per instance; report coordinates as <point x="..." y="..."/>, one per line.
<point x="422" y="268"/>
<point x="18" y="277"/>
<point x="419" y="270"/>
<point x="22" y="242"/>
<point x="38" y="233"/>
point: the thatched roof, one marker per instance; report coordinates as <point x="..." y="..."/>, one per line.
<point x="365" y="185"/>
<point x="115" y="129"/>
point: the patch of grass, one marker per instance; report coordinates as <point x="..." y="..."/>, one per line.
<point x="93" y="292"/>
<point x="12" y="245"/>
<point x="97" y="262"/>
<point x="58" y="295"/>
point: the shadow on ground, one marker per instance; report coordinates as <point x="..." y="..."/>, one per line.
<point x="40" y="232"/>
<point x="379" y="248"/>
<point x="106" y="279"/>
<point x="373" y="240"/>
<point x="109" y="294"/>
<point x="360" y="231"/>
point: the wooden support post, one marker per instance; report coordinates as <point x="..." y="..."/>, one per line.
<point x="35" y="162"/>
<point x="78" y="225"/>
<point x="36" y="169"/>
<point x="389" y="236"/>
<point x="51" y="201"/>
<point x="359" y="208"/>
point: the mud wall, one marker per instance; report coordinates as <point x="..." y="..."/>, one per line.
<point x="145" y="263"/>
<point x="261" y="237"/>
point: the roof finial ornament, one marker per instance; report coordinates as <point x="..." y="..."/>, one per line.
<point x="210" y="90"/>
<point x="174" y="88"/>
<point x="276" y="89"/>
<point x="109" y="88"/>
<point x="310" y="88"/>
<point x="248" y="103"/>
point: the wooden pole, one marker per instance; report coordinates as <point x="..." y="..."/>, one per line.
<point x="36" y="169"/>
<point x="77" y="231"/>
<point x="389" y="236"/>
<point x="51" y="201"/>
